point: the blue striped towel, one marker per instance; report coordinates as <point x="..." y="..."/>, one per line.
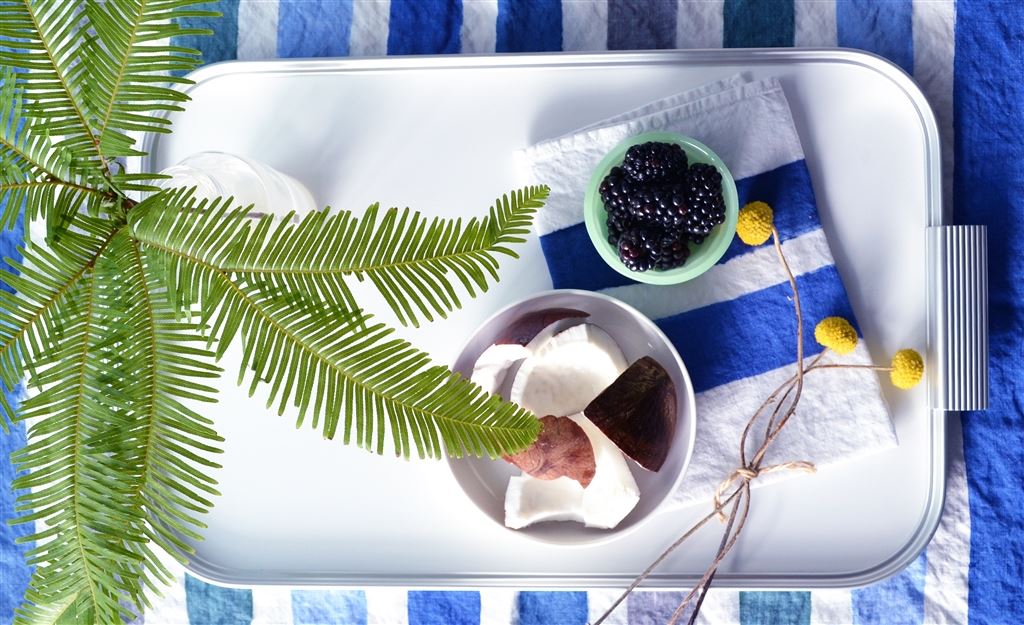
<point x="734" y="326"/>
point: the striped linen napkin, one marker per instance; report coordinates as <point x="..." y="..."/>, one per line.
<point x="734" y="326"/>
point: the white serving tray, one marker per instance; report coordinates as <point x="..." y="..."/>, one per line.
<point x="440" y="134"/>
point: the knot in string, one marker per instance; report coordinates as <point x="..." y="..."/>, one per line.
<point x="746" y="474"/>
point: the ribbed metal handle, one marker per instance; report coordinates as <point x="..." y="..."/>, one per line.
<point x="958" y="361"/>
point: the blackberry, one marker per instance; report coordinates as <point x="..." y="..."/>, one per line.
<point x="704" y="200"/>
<point x="615" y="190"/>
<point x="637" y="249"/>
<point x="654" y="162"/>
<point x="663" y="206"/>
<point x="672" y="250"/>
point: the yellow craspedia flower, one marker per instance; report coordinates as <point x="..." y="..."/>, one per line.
<point x="754" y="225"/>
<point x="836" y="334"/>
<point x="907" y="369"/>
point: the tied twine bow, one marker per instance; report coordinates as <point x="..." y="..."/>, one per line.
<point x="747" y="474"/>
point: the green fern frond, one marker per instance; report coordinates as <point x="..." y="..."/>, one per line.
<point x="33" y="176"/>
<point x="43" y="37"/>
<point x="415" y="263"/>
<point x="47" y="295"/>
<point x="77" y="480"/>
<point x="329" y="362"/>
<point x="117" y="462"/>
<point x="129" y="69"/>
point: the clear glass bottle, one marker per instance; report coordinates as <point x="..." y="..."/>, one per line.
<point x="219" y="174"/>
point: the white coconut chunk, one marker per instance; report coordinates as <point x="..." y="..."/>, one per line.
<point x="613" y="492"/>
<point x="529" y="500"/>
<point x="568" y="371"/>
<point x="493" y="364"/>
<point x="611" y="495"/>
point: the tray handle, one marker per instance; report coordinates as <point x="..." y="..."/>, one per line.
<point x="958" y="341"/>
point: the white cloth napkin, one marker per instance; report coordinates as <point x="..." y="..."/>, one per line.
<point x="744" y="301"/>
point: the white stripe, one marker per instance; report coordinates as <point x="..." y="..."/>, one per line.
<point x="387" y="606"/>
<point x="271" y="606"/>
<point x="599" y="600"/>
<point x="170" y="609"/>
<point x="814" y="24"/>
<point x="720" y="607"/>
<point x="498" y="606"/>
<point x="831" y="607"/>
<point x="933" y="24"/>
<point x="370" y="19"/>
<point x="699" y="24"/>
<point x="584" y="25"/>
<point x="949" y="553"/>
<point x="479" y="26"/>
<point x="257" y="29"/>
<point x="751" y="272"/>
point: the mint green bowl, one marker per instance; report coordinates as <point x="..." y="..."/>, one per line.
<point x="702" y="256"/>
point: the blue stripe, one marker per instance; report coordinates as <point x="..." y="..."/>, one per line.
<point x="757" y="23"/>
<point x="314" y="28"/>
<point x="885" y="28"/>
<point x="435" y="607"/>
<point x="760" y="327"/>
<point x="14" y="573"/>
<point x="549" y="608"/>
<point x="338" y="607"/>
<point x="775" y="608"/>
<point x="652" y="607"/>
<point x="425" y="27"/>
<point x="213" y="605"/>
<point x="788" y="190"/>
<point x="223" y="44"/>
<point x="529" y="26"/>
<point x="898" y="600"/>
<point x="574" y="263"/>
<point x="641" y="25"/>
<point x="988" y="188"/>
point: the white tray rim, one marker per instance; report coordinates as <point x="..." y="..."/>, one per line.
<point x="935" y="214"/>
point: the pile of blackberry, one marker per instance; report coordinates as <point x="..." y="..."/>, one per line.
<point x="657" y="204"/>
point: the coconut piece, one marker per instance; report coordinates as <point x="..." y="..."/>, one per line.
<point x="568" y="371"/>
<point x="561" y="449"/>
<point x="529" y="500"/>
<point x="613" y="492"/>
<point x="638" y="412"/>
<point x="492" y="366"/>
<point x="609" y="497"/>
<point x="526" y="328"/>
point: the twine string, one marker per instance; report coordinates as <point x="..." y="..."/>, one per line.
<point x="785" y="399"/>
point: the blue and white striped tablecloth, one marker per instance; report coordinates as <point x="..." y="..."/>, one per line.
<point x="968" y="58"/>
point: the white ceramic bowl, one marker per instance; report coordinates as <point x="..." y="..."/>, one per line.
<point x="484" y="481"/>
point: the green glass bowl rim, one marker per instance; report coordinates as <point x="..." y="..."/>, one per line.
<point x="703" y="256"/>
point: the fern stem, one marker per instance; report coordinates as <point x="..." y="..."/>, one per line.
<point x="78" y="439"/>
<point x="14" y="148"/>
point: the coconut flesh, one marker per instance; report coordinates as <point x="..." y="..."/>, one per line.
<point x="560" y="374"/>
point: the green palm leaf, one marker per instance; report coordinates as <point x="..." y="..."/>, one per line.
<point x="415" y="263"/>
<point x="33" y="173"/>
<point x="117" y="463"/>
<point x="43" y="37"/>
<point x="47" y="297"/>
<point x="130" y="70"/>
<point x="332" y="363"/>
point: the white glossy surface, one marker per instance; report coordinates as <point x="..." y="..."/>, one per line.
<point x="440" y="135"/>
